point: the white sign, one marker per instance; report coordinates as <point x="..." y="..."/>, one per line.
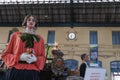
<point x="95" y="74"/>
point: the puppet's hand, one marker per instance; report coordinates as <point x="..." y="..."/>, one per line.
<point x="32" y="59"/>
<point x="24" y="57"/>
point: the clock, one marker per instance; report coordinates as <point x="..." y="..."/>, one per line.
<point x="71" y="35"/>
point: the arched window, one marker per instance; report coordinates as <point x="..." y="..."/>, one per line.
<point x="71" y="64"/>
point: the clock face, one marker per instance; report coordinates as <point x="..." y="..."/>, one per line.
<point x="71" y="35"/>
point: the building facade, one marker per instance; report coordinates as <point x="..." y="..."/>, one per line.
<point x="73" y="45"/>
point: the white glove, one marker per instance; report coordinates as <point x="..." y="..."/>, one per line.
<point x="31" y="59"/>
<point x="24" y="57"/>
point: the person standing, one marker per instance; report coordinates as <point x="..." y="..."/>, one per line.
<point x="84" y="65"/>
<point x="25" y="52"/>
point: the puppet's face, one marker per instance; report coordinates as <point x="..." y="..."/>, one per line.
<point x="30" y="23"/>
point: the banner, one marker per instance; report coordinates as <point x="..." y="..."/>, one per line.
<point x="94" y="55"/>
<point x="95" y="74"/>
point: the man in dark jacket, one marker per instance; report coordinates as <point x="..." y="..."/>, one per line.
<point x="83" y="66"/>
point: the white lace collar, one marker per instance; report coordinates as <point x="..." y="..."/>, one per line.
<point x="28" y="31"/>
